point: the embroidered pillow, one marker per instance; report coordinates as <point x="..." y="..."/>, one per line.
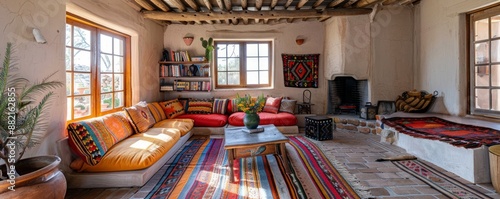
<point x="272" y="104"/>
<point x="91" y="139"/>
<point x="172" y="108"/>
<point x="140" y="116"/>
<point x="220" y="106"/>
<point x="157" y="111"/>
<point x="199" y="106"/>
<point x="288" y="106"/>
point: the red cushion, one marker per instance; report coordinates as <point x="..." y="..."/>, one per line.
<point x="206" y="120"/>
<point x="279" y="119"/>
<point x="272" y="104"/>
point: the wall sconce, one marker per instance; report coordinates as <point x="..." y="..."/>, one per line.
<point x="188" y="39"/>
<point x="299" y="40"/>
<point x="38" y="36"/>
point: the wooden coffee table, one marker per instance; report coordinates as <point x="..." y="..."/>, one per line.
<point x="240" y="144"/>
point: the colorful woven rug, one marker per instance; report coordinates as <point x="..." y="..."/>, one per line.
<point x="300" y="70"/>
<point x="434" y="128"/>
<point x="437" y="180"/>
<point x="200" y="170"/>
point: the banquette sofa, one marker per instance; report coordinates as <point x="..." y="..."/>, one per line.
<point x="126" y="148"/>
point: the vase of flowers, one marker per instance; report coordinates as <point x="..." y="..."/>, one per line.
<point x="250" y="106"/>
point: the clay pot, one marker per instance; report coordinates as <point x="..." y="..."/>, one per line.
<point x="188" y="40"/>
<point x="39" y="178"/>
<point x="299" y="41"/>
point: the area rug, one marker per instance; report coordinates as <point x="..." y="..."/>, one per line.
<point x="434" y="128"/>
<point x="300" y="70"/>
<point x="437" y="180"/>
<point x="200" y="170"/>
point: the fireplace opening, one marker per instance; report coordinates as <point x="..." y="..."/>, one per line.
<point x="346" y="95"/>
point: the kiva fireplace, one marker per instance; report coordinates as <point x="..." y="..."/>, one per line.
<point x="346" y="95"/>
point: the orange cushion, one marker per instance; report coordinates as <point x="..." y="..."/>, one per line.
<point x="172" y="108"/>
<point x="272" y="104"/>
<point x="139" y="151"/>
<point x="140" y="116"/>
<point x="157" y="111"/>
<point x="183" y="125"/>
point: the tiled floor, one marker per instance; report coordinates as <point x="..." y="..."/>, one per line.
<point x="357" y="152"/>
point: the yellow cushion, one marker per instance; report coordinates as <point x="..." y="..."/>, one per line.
<point x="157" y="111"/>
<point x="495" y="149"/>
<point x="139" y="151"/>
<point x="172" y="108"/>
<point x="183" y="125"/>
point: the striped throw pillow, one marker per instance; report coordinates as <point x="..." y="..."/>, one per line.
<point x="220" y="106"/>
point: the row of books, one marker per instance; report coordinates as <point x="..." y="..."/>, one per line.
<point x="191" y="86"/>
<point x="179" y="56"/>
<point x="181" y="70"/>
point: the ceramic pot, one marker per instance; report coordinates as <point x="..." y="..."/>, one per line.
<point x="40" y="177"/>
<point x="251" y="120"/>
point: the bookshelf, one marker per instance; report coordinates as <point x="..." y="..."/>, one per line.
<point x="185" y="76"/>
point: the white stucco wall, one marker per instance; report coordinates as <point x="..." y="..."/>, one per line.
<point x="36" y="61"/>
<point x="284" y="36"/>
<point x="440" y="51"/>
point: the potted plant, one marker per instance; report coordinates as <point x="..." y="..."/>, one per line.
<point x="250" y="106"/>
<point x="22" y="125"/>
<point x="209" y="47"/>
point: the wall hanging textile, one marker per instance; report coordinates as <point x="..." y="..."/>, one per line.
<point x="300" y="70"/>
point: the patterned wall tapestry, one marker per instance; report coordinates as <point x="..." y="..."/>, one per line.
<point x="300" y="70"/>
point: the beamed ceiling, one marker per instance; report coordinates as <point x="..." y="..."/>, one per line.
<point x="242" y="12"/>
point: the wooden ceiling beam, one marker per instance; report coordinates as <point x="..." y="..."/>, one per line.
<point x="244" y="4"/>
<point x="258" y="4"/>
<point x="220" y="4"/>
<point x="300" y="4"/>
<point x="334" y="3"/>
<point x="288" y="3"/>
<point x="349" y="3"/>
<point x="178" y="4"/>
<point x="257" y="15"/>
<point x="208" y="4"/>
<point x="145" y="4"/>
<point x="134" y="5"/>
<point x="228" y="5"/>
<point x="193" y="5"/>
<point x="367" y="3"/>
<point x="245" y="21"/>
<point x="273" y="4"/>
<point x="160" y="4"/>
<point x="317" y="3"/>
<point x="389" y="2"/>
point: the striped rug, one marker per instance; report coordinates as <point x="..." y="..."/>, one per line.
<point x="200" y="170"/>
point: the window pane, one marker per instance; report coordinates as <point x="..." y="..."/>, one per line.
<point x="82" y="83"/>
<point x="495" y="97"/>
<point x="119" y="99"/>
<point x="495" y="75"/>
<point x="106" y="63"/>
<point x="221" y="64"/>
<point x="221" y="51"/>
<point x="264" y="77"/>
<point x="264" y="50"/>
<point x="118" y="82"/>
<point x="118" y="46"/>
<point x="482" y="56"/>
<point x="495" y="26"/>
<point x="253" y="77"/>
<point x="82" y="106"/>
<point x="82" y="60"/>
<point x="482" y="76"/>
<point x="263" y="63"/>
<point x="68" y="108"/>
<point x="106" y="102"/>
<point x="68" y="58"/>
<point x="233" y="64"/>
<point x="481" y="29"/>
<point x="233" y="78"/>
<point x="106" y="83"/>
<point x="233" y="50"/>
<point x="252" y="64"/>
<point x="68" y="83"/>
<point x="118" y="64"/>
<point x="221" y="78"/>
<point x="495" y="51"/>
<point x="252" y="49"/>
<point x="68" y="35"/>
<point x="106" y="44"/>
<point x="483" y="98"/>
<point x="81" y="38"/>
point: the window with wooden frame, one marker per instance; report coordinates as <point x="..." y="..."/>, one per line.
<point x="97" y="69"/>
<point x="243" y="64"/>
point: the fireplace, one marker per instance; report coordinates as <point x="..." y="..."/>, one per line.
<point x="346" y="95"/>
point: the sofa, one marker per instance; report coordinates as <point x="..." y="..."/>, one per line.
<point x="126" y="148"/>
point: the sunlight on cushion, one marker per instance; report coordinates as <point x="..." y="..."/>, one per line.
<point x="146" y="145"/>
